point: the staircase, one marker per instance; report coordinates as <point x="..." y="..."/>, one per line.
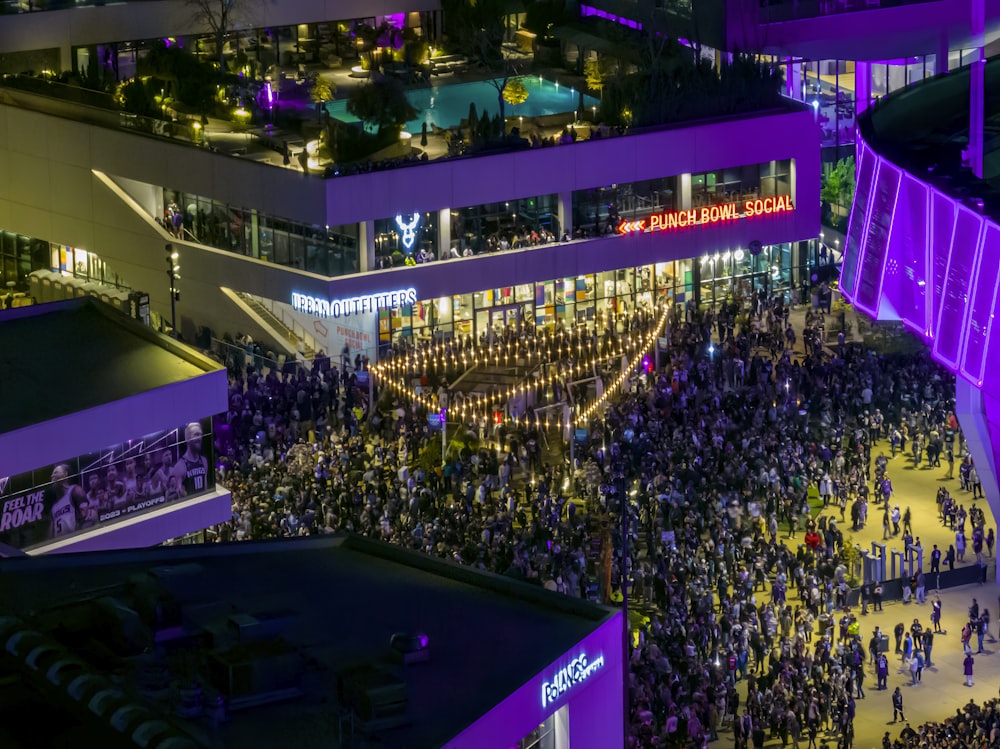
<point x="269" y="318"/>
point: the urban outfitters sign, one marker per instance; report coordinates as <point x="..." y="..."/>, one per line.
<point x="320" y="307"/>
<point x="713" y="214"/>
<point x="578" y="670"/>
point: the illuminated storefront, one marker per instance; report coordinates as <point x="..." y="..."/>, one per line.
<point x="594" y="299"/>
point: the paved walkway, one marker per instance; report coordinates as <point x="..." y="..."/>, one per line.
<point x="942" y="689"/>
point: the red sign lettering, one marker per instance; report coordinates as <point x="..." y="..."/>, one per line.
<point x="713" y="214"/>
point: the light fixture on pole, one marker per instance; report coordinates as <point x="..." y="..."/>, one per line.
<point x="172" y="273"/>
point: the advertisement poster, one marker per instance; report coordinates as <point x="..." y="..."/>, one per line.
<point x="102" y="488"/>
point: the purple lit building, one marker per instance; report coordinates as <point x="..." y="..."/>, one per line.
<point x="96" y="413"/>
<point x="433" y="654"/>
<point x="923" y="241"/>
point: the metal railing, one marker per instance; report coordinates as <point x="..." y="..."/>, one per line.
<point x="791" y="10"/>
<point x="283" y="316"/>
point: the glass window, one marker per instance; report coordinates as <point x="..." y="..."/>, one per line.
<point x="406" y="239"/>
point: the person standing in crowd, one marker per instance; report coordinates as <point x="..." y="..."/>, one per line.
<point x="897" y="706"/>
<point x="882" y="671"/>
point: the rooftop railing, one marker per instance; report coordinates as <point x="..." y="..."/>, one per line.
<point x="794" y="10"/>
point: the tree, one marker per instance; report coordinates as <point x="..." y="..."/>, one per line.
<point x="381" y="103"/>
<point x="319" y="90"/>
<point x="477" y="30"/>
<point x="838" y="184"/>
<point x="596" y="71"/>
<point x="220" y="17"/>
<point x="515" y="92"/>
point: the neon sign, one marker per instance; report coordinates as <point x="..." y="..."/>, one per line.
<point x="713" y="214"/>
<point x="578" y="670"/>
<point x="409" y="229"/>
<point x="320" y="307"/>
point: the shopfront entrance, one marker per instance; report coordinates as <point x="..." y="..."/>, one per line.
<point x="506" y="317"/>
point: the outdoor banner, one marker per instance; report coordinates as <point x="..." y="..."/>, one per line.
<point x="105" y="487"/>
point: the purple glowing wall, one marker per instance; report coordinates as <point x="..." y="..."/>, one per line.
<point x="904" y="284"/>
<point x="858" y="220"/>
<point x="918" y="255"/>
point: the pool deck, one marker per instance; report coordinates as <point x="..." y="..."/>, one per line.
<point x="222" y="135"/>
<point x="444" y="103"/>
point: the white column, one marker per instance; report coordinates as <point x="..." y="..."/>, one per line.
<point x="444" y="234"/>
<point x="366" y="245"/>
<point x="565" y="203"/>
<point x="971" y="411"/>
<point x="684" y="191"/>
<point x="793" y="79"/>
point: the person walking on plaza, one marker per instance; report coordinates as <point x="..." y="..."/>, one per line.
<point x="967" y="665"/>
<point x="897" y="706"/>
<point x="921" y="586"/>
<point x="895" y="520"/>
<point x="960" y="545"/>
<point x="936" y="614"/>
<point x="882" y="670"/>
<point x="928" y="646"/>
<point x="898" y="634"/>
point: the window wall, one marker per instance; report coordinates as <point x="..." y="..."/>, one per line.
<point x="594" y="300"/>
<point x="598" y="210"/>
<point x="892" y="75"/>
<point x="406" y="239"/>
<point x="19" y="256"/>
<point x="328" y="251"/>
<point x="508" y="225"/>
<point x="737" y="184"/>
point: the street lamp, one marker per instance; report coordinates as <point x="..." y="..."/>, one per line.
<point x="175" y="294"/>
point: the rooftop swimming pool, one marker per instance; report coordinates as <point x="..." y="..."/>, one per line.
<point x="446" y="106"/>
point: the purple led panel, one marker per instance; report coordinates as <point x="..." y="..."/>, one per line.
<point x="872" y="265"/>
<point x="858" y="222"/>
<point x="963" y="261"/>
<point x="984" y="307"/>
<point x="942" y="229"/>
<point x="904" y="285"/>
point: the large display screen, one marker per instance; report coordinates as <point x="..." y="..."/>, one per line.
<point x="108" y="486"/>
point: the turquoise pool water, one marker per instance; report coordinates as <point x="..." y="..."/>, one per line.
<point x="446" y="106"/>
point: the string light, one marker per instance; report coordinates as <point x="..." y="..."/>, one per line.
<point x="478" y="406"/>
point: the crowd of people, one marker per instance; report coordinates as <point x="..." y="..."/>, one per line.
<point x="971" y="727"/>
<point x="714" y="455"/>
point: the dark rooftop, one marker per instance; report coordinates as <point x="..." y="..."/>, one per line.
<point x="925" y="127"/>
<point x="336" y="601"/>
<point x="65" y="357"/>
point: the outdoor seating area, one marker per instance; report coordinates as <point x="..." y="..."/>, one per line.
<point x="444" y="64"/>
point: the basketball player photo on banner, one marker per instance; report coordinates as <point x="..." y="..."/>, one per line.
<point x="101" y="488"/>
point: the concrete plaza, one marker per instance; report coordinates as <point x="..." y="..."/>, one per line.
<point x="942" y="689"/>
